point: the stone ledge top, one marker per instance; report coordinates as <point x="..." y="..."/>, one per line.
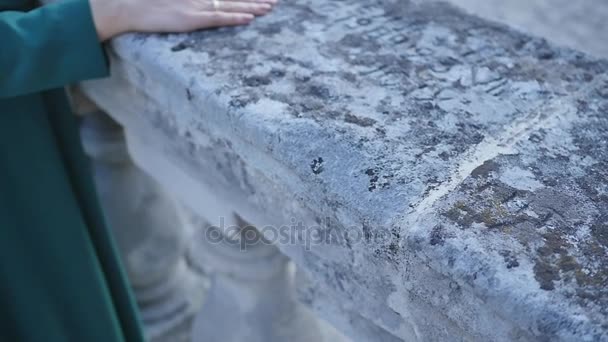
<point x="484" y="150"/>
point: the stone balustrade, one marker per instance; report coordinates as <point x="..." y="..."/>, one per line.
<point x="358" y="170"/>
<point x="581" y="25"/>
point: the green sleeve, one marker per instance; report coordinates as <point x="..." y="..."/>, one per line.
<point x="49" y="47"/>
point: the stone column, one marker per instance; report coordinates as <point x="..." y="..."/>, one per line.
<point x="147" y="227"/>
<point x="252" y="295"/>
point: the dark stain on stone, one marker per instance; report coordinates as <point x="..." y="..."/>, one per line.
<point x="537" y="137"/>
<point x="189" y="95"/>
<point x="318" y="91"/>
<point x="459" y="213"/>
<point x="555" y="263"/>
<point x="549" y="181"/>
<point x="600" y="232"/>
<point x="393" y="249"/>
<point x="367" y="232"/>
<point x="545" y="274"/>
<point x="546" y="54"/>
<point x="180" y="46"/>
<point x="364" y="21"/>
<point x="373" y="178"/>
<point x="567" y="263"/>
<point x="603" y="91"/>
<point x="317" y="166"/>
<point x="445" y="156"/>
<point x="363" y="122"/>
<point x="425" y="151"/>
<point x="237" y="103"/>
<point x="594" y="66"/>
<point x="375" y="181"/>
<point x="587" y="77"/>
<point x="395" y="233"/>
<point x="271" y="29"/>
<point x="490" y="205"/>
<point x="454" y="286"/>
<point x="243" y="100"/>
<point x="256" y="81"/>
<point x="302" y="78"/>
<point x="451" y="261"/>
<point x="349" y="76"/>
<point x="509" y="258"/>
<point x="352" y="40"/>
<point x="582" y="106"/>
<point x="285" y="60"/>
<point x="437" y="236"/>
<point x="449" y="61"/>
<point x="333" y="114"/>
<point x="485" y="169"/>
<point x="277" y="73"/>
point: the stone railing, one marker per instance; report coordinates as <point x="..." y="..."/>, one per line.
<point x="581" y="25"/>
<point x="414" y="173"/>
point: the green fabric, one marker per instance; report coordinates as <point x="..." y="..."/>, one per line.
<point x="60" y="276"/>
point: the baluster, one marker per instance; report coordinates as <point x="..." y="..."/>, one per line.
<point x="148" y="229"/>
<point x="252" y="295"/>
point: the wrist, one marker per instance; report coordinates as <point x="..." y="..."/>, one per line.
<point x="111" y="18"/>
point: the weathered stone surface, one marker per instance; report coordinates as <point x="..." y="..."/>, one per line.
<point x="578" y="24"/>
<point x="458" y="165"/>
<point x="526" y="230"/>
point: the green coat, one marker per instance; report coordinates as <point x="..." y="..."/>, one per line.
<point x="60" y="277"/>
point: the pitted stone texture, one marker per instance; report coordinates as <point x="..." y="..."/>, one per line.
<point x="410" y="93"/>
<point x="578" y="24"/>
<point x="528" y="227"/>
<point x="384" y="118"/>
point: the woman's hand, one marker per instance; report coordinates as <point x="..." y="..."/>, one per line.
<point x="114" y="17"/>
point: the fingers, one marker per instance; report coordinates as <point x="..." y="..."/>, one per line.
<point x="272" y="2"/>
<point x="220" y="13"/>
<point x="218" y="19"/>
<point x="253" y="7"/>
